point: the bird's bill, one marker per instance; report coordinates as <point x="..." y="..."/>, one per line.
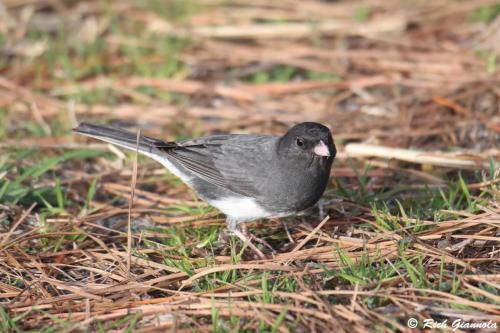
<point x="321" y="149"/>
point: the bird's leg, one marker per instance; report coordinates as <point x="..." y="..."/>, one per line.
<point x="244" y="231"/>
<point x="232" y="226"/>
<point x="245" y="239"/>
<point x="321" y="207"/>
<point x="288" y="233"/>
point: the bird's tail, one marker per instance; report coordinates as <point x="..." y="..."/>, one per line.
<point x="145" y="145"/>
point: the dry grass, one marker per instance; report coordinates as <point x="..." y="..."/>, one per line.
<point x="410" y="91"/>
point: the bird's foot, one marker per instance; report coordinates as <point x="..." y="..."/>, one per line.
<point x="247" y="240"/>
<point x="239" y="230"/>
<point x="248" y="235"/>
<point x="224" y="240"/>
<point x="224" y="237"/>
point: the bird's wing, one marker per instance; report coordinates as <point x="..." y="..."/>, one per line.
<point x="228" y="161"/>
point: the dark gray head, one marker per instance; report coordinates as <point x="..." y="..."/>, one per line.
<point x="306" y="139"/>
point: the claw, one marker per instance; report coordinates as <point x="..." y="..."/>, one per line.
<point x="248" y="241"/>
<point x="248" y="235"/>
<point x="240" y="230"/>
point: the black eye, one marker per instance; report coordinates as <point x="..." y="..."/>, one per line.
<point x="300" y="142"/>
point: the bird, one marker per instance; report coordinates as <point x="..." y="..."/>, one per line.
<point x="247" y="177"/>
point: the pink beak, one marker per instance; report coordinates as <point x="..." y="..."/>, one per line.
<point x="321" y="149"/>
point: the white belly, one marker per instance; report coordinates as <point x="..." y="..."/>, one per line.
<point x="240" y="208"/>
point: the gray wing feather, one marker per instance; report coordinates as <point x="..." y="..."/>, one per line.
<point x="224" y="160"/>
<point x="228" y="161"/>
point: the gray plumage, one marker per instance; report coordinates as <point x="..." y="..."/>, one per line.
<point x="246" y="176"/>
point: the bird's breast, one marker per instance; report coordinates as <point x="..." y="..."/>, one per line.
<point x="293" y="189"/>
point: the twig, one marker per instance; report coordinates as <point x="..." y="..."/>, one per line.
<point x="14" y="227"/>
<point x="39" y="119"/>
<point x="408" y="155"/>
<point x="132" y="193"/>
<point x="295" y="30"/>
<point x="315" y="230"/>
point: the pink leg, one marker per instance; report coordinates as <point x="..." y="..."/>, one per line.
<point x="245" y="232"/>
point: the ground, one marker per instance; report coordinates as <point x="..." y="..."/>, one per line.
<point x="407" y="232"/>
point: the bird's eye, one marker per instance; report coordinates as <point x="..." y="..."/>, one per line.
<point x="300" y="142"/>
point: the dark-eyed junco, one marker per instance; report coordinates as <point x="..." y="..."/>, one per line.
<point x="247" y="177"/>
